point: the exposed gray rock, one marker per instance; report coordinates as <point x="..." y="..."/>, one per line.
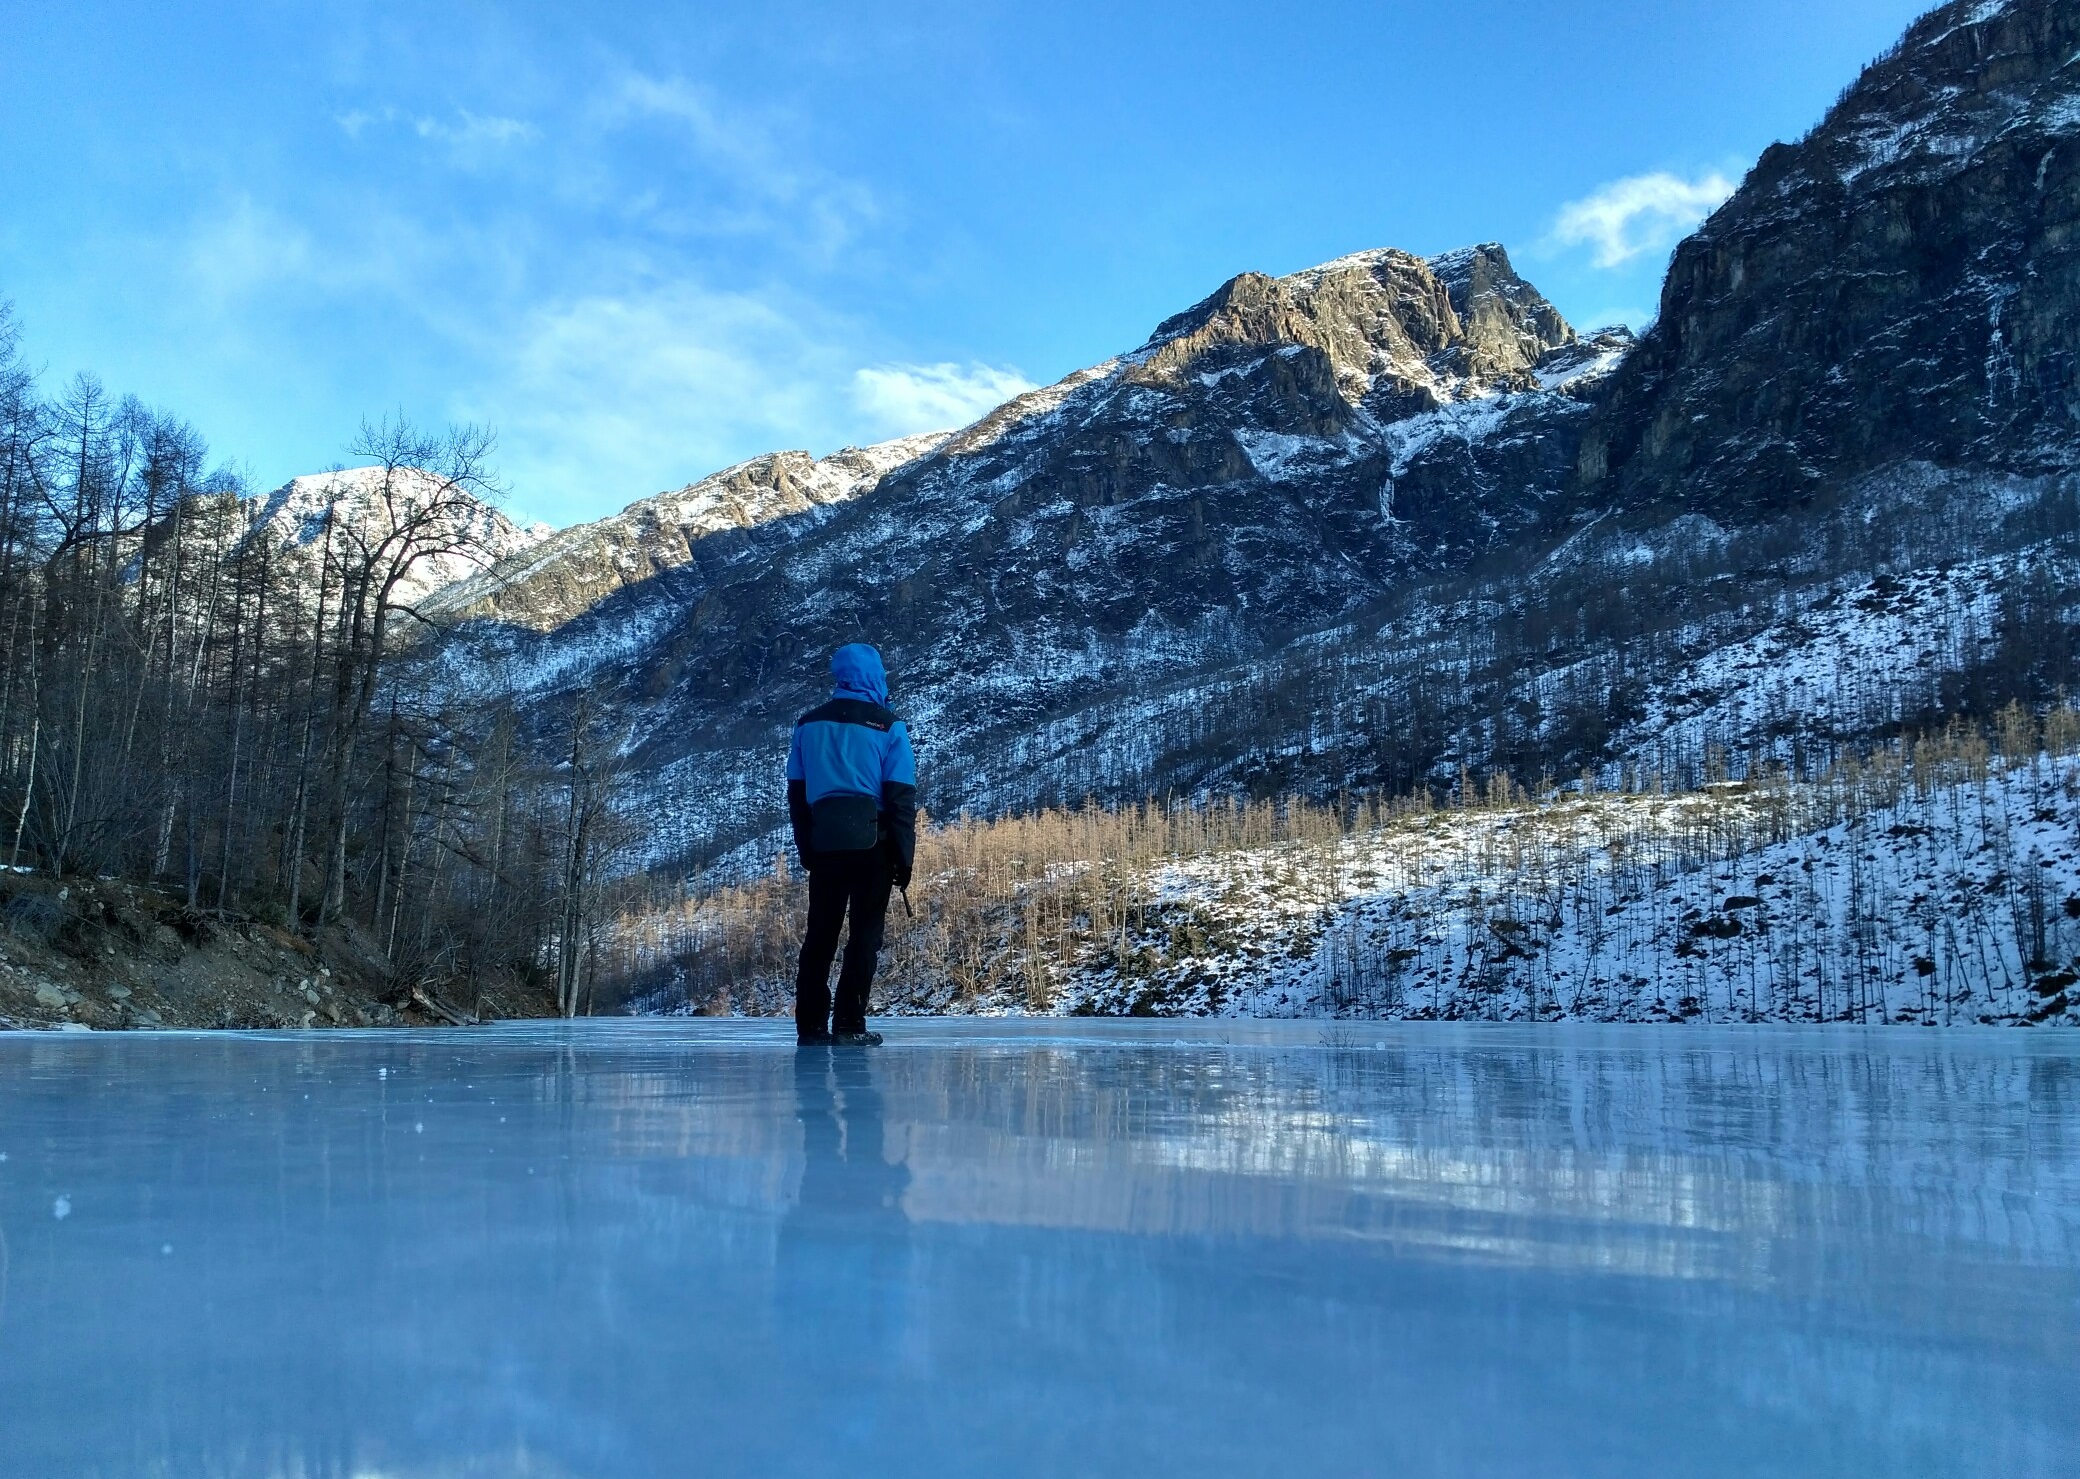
<point x="575" y="569"/>
<point x="1900" y="285"/>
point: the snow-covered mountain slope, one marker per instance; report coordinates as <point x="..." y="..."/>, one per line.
<point x="1248" y="472"/>
<point x="574" y="569"/>
<point x="1933" y="903"/>
<point x="1282" y="453"/>
<point x="373" y="502"/>
<point x="1363" y="525"/>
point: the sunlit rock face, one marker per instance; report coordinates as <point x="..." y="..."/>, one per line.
<point x="1400" y="333"/>
<point x="1901" y="285"/>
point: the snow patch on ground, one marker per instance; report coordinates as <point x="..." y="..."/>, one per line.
<point x="1854" y="660"/>
<point x="1280" y="457"/>
<point x="1473" y="420"/>
<point x="1955" y="902"/>
<point x="1584" y="362"/>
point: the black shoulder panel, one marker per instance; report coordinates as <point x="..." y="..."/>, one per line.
<point x="850" y="711"/>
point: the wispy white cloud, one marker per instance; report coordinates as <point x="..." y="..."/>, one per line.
<point x="720" y="137"/>
<point x="905" y="398"/>
<point x="243" y="245"/>
<point x="767" y="188"/>
<point x="608" y="374"/>
<point x="611" y="396"/>
<point x="611" y="365"/>
<point x="240" y="249"/>
<point x="465" y="131"/>
<point x="469" y="129"/>
<point x="1639" y="214"/>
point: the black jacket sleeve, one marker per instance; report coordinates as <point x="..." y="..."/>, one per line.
<point x="899" y="816"/>
<point x="799" y="818"/>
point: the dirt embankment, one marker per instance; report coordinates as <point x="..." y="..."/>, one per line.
<point x="105" y="954"/>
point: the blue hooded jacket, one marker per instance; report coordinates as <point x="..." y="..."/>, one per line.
<point x="851" y="777"/>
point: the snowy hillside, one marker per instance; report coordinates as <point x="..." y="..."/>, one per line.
<point x="374" y="502"/>
<point x="568" y="572"/>
<point x="1948" y="905"/>
<point x="1936" y="885"/>
<point x="1281" y="453"/>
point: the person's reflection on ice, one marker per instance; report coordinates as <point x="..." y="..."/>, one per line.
<point x="845" y="1244"/>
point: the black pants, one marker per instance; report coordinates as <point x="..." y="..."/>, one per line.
<point x="841" y="882"/>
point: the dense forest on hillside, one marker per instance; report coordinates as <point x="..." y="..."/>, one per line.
<point x="189" y="701"/>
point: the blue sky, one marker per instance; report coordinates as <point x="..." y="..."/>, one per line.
<point x="646" y="240"/>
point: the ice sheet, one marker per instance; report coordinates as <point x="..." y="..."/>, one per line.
<point x="1063" y="1248"/>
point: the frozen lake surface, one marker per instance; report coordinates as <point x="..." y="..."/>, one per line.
<point x="683" y="1248"/>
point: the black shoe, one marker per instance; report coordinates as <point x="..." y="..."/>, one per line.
<point x="813" y="1040"/>
<point x="856" y="1039"/>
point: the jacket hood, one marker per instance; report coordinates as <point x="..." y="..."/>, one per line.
<point x="857" y="667"/>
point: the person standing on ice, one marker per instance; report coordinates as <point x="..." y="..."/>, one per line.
<point x="852" y="801"/>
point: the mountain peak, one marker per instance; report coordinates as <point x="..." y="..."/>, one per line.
<point x="1401" y="332"/>
<point x="575" y="569"/>
<point x="373" y="500"/>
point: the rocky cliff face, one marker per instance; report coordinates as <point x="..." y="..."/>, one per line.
<point x="1901" y="285"/>
<point x="573" y="570"/>
<point x="1399" y="334"/>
